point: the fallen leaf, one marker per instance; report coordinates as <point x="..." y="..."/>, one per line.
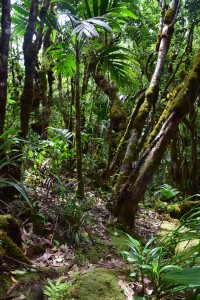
<point x="13" y="279"/>
<point x="13" y="272"/>
<point x="48" y="242"/>
<point x="59" y="259"/>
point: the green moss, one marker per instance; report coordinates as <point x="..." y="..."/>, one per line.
<point x="183" y="74"/>
<point x="186" y="246"/>
<point x="101" y="284"/>
<point x="2" y="251"/>
<point x="152" y="93"/>
<point x="116" y="111"/>
<point x="93" y="256"/>
<point x="144" y="110"/>
<point x="11" y="226"/>
<point x="190" y="84"/>
<point x="5" y="220"/>
<point x="11" y="249"/>
<point x="118" y="240"/>
<point x="169" y="16"/>
<point x="6" y="283"/>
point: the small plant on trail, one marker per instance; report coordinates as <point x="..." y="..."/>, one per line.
<point x="163" y="272"/>
<point x="73" y="215"/>
<point x="57" y="290"/>
<point x="149" y="265"/>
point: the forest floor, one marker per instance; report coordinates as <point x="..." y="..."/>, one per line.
<point x="95" y="245"/>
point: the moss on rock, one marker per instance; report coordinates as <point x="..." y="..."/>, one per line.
<point x="11" y="249"/>
<point x="11" y="226"/>
<point x="101" y="284"/>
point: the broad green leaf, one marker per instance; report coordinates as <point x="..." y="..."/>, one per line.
<point x="189" y="276"/>
<point x="20" y="272"/>
<point x="21" y="10"/>
<point x="52" y="21"/>
<point x="18" y="187"/>
<point x="165" y="268"/>
<point x="19" y="29"/>
<point x="123" y="12"/>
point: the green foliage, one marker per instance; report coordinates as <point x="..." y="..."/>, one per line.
<point x="188" y="276"/>
<point x="20" y="17"/>
<point x="148" y="262"/>
<point x="168" y="270"/>
<point x="64" y="57"/>
<point x="167" y="191"/>
<point x="86" y="28"/>
<point x="76" y="219"/>
<point x="187" y="231"/>
<point x="119" y="64"/>
<point x="8" y="158"/>
<point x="53" y="153"/>
<point x="57" y="290"/>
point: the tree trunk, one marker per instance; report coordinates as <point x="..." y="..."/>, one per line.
<point x="30" y="49"/>
<point x="151" y="94"/>
<point x="80" y="189"/>
<point x="128" y="201"/>
<point x="117" y="115"/>
<point x="4" y="50"/>
<point x="45" y="97"/>
<point x="119" y="151"/>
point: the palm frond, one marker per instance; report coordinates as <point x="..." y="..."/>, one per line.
<point x="87" y="28"/>
<point x="64" y="57"/>
<point x="120" y="65"/>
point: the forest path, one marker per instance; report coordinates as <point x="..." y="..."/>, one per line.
<point x="99" y="250"/>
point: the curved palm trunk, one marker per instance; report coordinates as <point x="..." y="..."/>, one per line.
<point x="127" y="204"/>
<point x="4" y="50"/>
<point x="151" y="94"/>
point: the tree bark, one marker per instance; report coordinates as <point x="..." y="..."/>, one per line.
<point x="117" y="115"/>
<point x="127" y="204"/>
<point x="30" y="49"/>
<point x="151" y="94"/>
<point x="80" y="188"/>
<point x="4" y="50"/>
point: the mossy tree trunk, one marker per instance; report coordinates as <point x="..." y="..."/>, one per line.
<point x="133" y="194"/>
<point x="4" y="50"/>
<point x="45" y="82"/>
<point x="117" y="115"/>
<point x="151" y="95"/>
<point x="30" y="50"/>
<point x="195" y="165"/>
<point x="120" y="148"/>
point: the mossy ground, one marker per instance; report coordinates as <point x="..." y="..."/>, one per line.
<point x="100" y="283"/>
